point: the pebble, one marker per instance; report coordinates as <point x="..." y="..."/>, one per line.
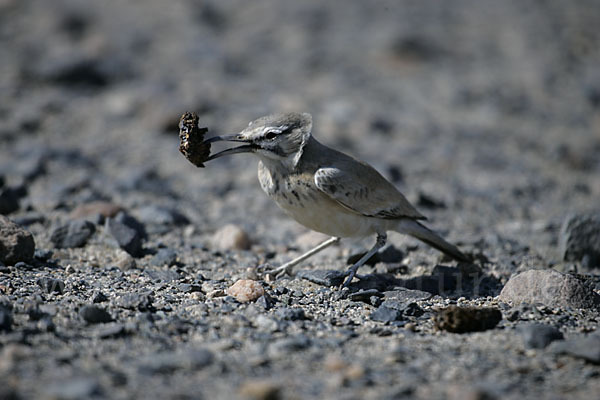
<point x="73" y="234"/>
<point x="386" y="314"/>
<point x="538" y="336"/>
<point x="127" y="236"/>
<point x="99" y="297"/>
<point x="585" y="347"/>
<point x="291" y="314"/>
<point x="125" y="261"/>
<point x="136" y="301"/>
<point x="407" y="295"/>
<point x="323" y="277"/>
<point x="5" y="319"/>
<point x="580" y="238"/>
<point x="51" y="285"/>
<point x="246" y="290"/>
<point x="164" y="256"/>
<point x="16" y="244"/>
<point x="94" y="314"/>
<point x="103" y="208"/>
<point x="73" y="389"/>
<point x="467" y="319"/>
<point x="231" y="237"/>
<point x="9" y="200"/>
<point x="161" y="215"/>
<point x="551" y="288"/>
<point x="260" y="389"/>
<point x="168" y="361"/>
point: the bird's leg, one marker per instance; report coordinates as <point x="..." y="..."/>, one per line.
<point x="381" y="239"/>
<point x="287" y="267"/>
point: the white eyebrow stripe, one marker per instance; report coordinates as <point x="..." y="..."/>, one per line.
<point x="277" y="129"/>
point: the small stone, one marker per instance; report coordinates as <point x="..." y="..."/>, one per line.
<point x="580" y="237"/>
<point x="323" y="277"/>
<point x="467" y="319"/>
<point x="550" y="288"/>
<point x="291" y="314"/>
<point x="164" y="257"/>
<point x="5" y="319"/>
<point x="246" y="290"/>
<point x="231" y="237"/>
<point x="538" y="336"/>
<point x="50" y="285"/>
<point x="584" y="347"/>
<point x="16" y="244"/>
<point x="386" y="314"/>
<point x="99" y="297"/>
<point x="73" y="234"/>
<point x="136" y="301"/>
<point x="125" y="233"/>
<point x="94" y="314"/>
<point x="43" y="254"/>
<point x="104" y="208"/>
<point x="407" y="295"/>
<point x="125" y="262"/>
<point x="74" y="388"/>
<point x="169" y="361"/>
<point x="265" y="301"/>
<point x="9" y="201"/>
<point x="408" y="309"/>
<point x="161" y="215"/>
<point x="259" y="389"/>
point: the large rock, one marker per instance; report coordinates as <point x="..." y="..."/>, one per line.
<point x="580" y="238"/>
<point x="550" y="288"/>
<point x="16" y="244"/>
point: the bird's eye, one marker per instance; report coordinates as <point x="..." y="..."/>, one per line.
<point x="270" y="135"/>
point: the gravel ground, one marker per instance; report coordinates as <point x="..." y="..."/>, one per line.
<point x="485" y="114"/>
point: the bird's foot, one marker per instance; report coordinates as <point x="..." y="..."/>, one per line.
<point x="278" y="272"/>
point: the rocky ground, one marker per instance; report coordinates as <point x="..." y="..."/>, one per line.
<point x="119" y="257"/>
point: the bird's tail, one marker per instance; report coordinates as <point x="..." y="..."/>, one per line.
<point x="424" y="234"/>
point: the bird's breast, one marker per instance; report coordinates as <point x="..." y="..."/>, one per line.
<point x="298" y="196"/>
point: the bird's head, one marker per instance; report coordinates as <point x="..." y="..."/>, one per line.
<point x="276" y="137"/>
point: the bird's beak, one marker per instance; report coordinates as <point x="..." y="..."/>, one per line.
<point x="248" y="148"/>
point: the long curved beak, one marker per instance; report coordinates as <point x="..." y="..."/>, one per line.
<point x="248" y="148"/>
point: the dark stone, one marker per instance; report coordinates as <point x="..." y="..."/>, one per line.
<point x="9" y="201"/>
<point x="580" y="237"/>
<point x="408" y="309"/>
<point x="291" y="314"/>
<point x="386" y="314"/>
<point x="169" y="361"/>
<point x="189" y="288"/>
<point x="127" y="236"/>
<point x="584" y="347"/>
<point x="265" y="301"/>
<point x="16" y="244"/>
<point x="323" y="277"/>
<point x="5" y="319"/>
<point x="136" y="301"/>
<point x="467" y="319"/>
<point x="94" y="314"/>
<point x="164" y="257"/>
<point x="50" y="285"/>
<point x="538" y="336"/>
<point x="162" y="275"/>
<point x="407" y="295"/>
<point x="42" y="254"/>
<point x="426" y="201"/>
<point x="99" y="297"/>
<point x="161" y="215"/>
<point x="73" y="234"/>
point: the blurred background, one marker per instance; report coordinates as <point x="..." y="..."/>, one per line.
<point x="489" y="110"/>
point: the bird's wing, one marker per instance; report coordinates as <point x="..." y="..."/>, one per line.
<point x="365" y="192"/>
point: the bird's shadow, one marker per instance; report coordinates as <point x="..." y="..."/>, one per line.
<point x="464" y="280"/>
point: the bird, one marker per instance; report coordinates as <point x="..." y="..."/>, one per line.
<point x="326" y="190"/>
